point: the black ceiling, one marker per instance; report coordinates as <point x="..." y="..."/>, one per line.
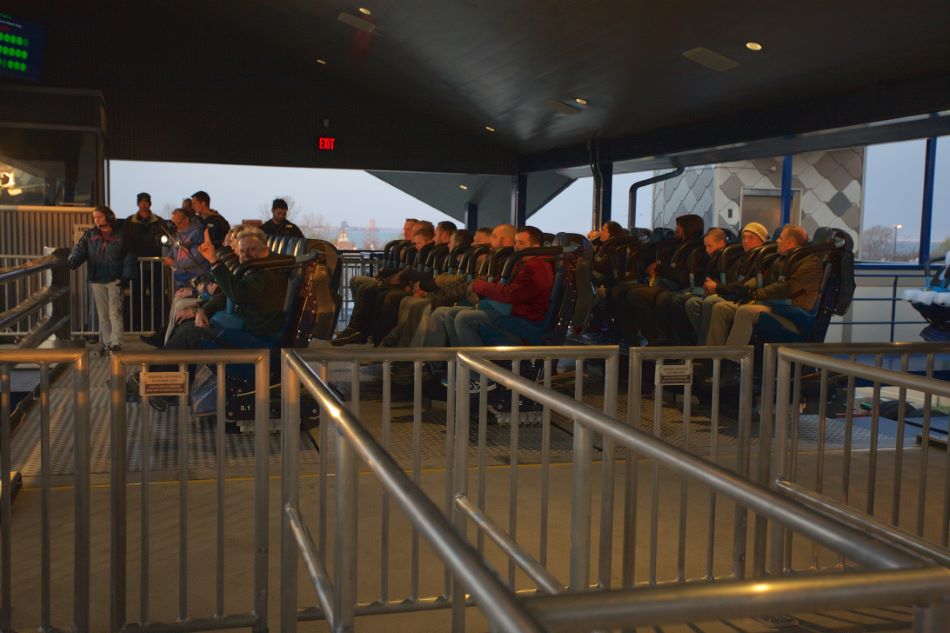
<point x="237" y="80"/>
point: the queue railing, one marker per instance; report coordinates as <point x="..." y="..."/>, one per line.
<point x="34" y="301"/>
<point x="880" y="562"/>
<point x="373" y="380"/>
<point x="844" y="453"/>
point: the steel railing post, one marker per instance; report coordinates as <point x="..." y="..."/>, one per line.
<point x="580" y="507"/>
<point x="82" y="527"/>
<point x="6" y="498"/>
<point x="261" y="486"/>
<point x="780" y="456"/>
<point x="460" y="478"/>
<point x="290" y="492"/>
<point x="345" y="537"/>
<point x="118" y="501"/>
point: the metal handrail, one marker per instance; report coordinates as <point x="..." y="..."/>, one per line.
<point x="868" y="372"/>
<point x="651" y="606"/>
<point x="858" y="520"/>
<point x="498" y="604"/>
<point x="758" y="498"/>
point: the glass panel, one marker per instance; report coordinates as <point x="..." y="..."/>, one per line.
<point x="47" y="167"/>
<point x="894" y="184"/>
<point x="940" y="225"/>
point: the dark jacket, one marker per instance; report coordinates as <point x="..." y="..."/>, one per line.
<point x="284" y="228"/>
<point x="528" y="292"/>
<point x="742" y="271"/>
<point x="109" y="258"/>
<point x="217" y="227"/>
<point x="144" y="235"/>
<point x="673" y="271"/>
<point x="799" y="285"/>
<point x="258" y="297"/>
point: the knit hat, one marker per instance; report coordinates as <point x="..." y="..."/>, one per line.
<point x="758" y="230"/>
<point x="143" y="196"/>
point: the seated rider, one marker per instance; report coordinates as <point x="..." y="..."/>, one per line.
<point x="258" y="297"/>
<point x="526" y="296"/>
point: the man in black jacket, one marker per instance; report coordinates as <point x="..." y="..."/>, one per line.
<point x="147" y="307"/>
<point x="279" y="224"/>
<point x="217" y="226"/>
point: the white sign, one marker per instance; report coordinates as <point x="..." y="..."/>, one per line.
<point x="163" y="383"/>
<point x="675" y="374"/>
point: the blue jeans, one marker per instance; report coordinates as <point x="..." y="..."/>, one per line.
<point x="464" y="331"/>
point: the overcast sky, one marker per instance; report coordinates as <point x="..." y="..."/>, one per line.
<point x="893" y="190"/>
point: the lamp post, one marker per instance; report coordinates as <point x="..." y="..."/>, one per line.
<point x="897" y="227"/>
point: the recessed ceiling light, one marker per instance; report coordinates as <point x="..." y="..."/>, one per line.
<point x="365" y="11"/>
<point x="489" y="128"/>
<point x="463" y="187"/>
<point x="322" y="62"/>
<point x="753" y="46"/>
<point x="581" y="100"/>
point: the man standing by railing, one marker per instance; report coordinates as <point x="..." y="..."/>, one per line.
<point x="147" y="302"/>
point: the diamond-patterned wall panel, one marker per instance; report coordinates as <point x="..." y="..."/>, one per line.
<point x="688" y="193"/>
<point x="830" y="182"/>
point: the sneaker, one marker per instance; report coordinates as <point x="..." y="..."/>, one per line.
<point x="355" y="337"/>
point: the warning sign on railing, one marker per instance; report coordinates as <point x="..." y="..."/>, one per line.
<point x="676" y="374"/>
<point x="163" y="383"/>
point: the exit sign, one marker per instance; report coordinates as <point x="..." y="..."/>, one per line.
<point x="326" y="143"/>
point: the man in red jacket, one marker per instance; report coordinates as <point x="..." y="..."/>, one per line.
<point x="526" y="296"/>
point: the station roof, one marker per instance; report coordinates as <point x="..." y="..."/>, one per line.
<point x="413" y="85"/>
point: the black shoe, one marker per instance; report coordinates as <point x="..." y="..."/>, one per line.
<point x="115" y="348"/>
<point x="155" y="340"/>
<point x="355" y="337"/>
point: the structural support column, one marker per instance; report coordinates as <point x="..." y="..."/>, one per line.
<point x="519" y="195"/>
<point x="926" y="216"/>
<point x="787" y="189"/>
<point x="603" y="193"/>
<point x="471" y="216"/>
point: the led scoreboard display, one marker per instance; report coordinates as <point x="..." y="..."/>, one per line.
<point x="21" y="48"/>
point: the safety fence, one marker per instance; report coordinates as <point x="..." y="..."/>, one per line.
<point x="354" y="263"/>
<point x="544" y="596"/>
<point x="148" y="458"/>
<point x="599" y="517"/>
<point x="701" y="429"/>
<point x="846" y="415"/>
<point x="145" y="300"/>
<point x="34" y="300"/>
<point x="78" y="364"/>
<point x="370" y="378"/>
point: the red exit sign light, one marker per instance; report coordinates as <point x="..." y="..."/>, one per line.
<point x="326" y="143"/>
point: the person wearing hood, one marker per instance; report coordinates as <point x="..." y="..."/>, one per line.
<point x="635" y="307"/>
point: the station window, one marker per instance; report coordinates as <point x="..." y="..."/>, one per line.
<point x="893" y="195"/>
<point x="940" y="225"/>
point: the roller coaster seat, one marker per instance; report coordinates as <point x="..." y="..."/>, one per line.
<point x="553" y="328"/>
<point x="311" y="306"/>
<point x="835" y="248"/>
